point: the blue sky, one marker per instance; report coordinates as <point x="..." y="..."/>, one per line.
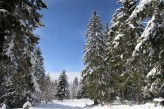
<point x="62" y="37"/>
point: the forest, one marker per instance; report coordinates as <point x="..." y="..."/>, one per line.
<point x="123" y="59"/>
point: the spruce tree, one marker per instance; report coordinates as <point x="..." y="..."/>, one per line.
<point x="93" y="58"/>
<point x="62" y="87"/>
<point x="82" y="91"/>
<point x="74" y="89"/>
<point x="120" y="46"/>
<point x="47" y="92"/>
<point x="18" y="20"/>
<point x="39" y="71"/>
<point x="150" y="42"/>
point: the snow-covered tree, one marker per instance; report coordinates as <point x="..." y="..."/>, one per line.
<point x="120" y="45"/>
<point x="63" y="87"/>
<point x="150" y="42"/>
<point x="75" y="88"/>
<point x="47" y="97"/>
<point x="93" y="57"/>
<point x="18" y="20"/>
<point x="49" y="89"/>
<point x="39" y="71"/>
<point x="82" y="90"/>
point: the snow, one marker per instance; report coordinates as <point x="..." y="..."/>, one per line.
<point x="10" y="47"/>
<point x="149" y="29"/>
<point x="115" y="44"/>
<point x="27" y="104"/>
<point x="36" y="86"/>
<point x="4" y="106"/>
<point x="162" y="1"/>
<point x="139" y="8"/>
<point x="137" y="48"/>
<point x="146" y="34"/>
<point x="158" y="99"/>
<point x="88" y="104"/>
<point x="118" y="37"/>
<point x="3" y="10"/>
<point x="152" y="72"/>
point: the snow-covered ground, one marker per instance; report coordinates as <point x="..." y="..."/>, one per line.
<point x="88" y="104"/>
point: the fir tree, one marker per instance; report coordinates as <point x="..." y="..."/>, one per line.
<point x="39" y="71"/>
<point x="48" y="92"/>
<point x="62" y="87"/>
<point x="82" y="91"/>
<point x="93" y="59"/>
<point x="120" y="46"/>
<point x="17" y="21"/>
<point x="150" y="42"/>
<point x="75" y="87"/>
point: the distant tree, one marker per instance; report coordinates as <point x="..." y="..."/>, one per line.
<point x="47" y="95"/>
<point x="63" y="87"/>
<point x="82" y="91"/>
<point x="74" y="89"/>
<point x="39" y="71"/>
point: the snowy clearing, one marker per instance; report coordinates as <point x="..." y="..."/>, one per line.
<point x="88" y="104"/>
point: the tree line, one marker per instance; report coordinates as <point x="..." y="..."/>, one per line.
<point x="125" y="59"/>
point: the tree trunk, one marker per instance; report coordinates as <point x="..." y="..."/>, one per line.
<point x="1" y="45"/>
<point x="95" y="102"/>
<point x="137" y="96"/>
<point x="123" y="96"/>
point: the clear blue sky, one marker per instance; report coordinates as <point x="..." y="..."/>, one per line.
<point x="62" y="37"/>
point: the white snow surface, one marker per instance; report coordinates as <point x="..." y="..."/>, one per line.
<point x="88" y="104"/>
<point x="4" y="106"/>
<point x="158" y="99"/>
<point x="27" y="104"/>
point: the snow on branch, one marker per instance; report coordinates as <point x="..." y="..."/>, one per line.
<point x="10" y="47"/>
<point x="36" y="86"/>
<point x="152" y="72"/>
<point x="139" y="8"/>
<point x="146" y="35"/>
<point x="3" y="10"/>
<point x="149" y="29"/>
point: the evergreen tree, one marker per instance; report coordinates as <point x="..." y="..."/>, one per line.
<point x="47" y="95"/>
<point x="49" y="89"/>
<point x="74" y="88"/>
<point x="17" y="42"/>
<point x="93" y="59"/>
<point x="39" y="71"/>
<point x="150" y="42"/>
<point x="82" y="91"/>
<point x="62" y="87"/>
<point x="120" y="46"/>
